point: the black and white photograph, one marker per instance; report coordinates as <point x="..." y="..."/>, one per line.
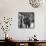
<point x="26" y="20"/>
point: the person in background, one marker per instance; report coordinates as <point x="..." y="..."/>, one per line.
<point x="26" y="21"/>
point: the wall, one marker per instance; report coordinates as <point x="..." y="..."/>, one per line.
<point x="10" y="8"/>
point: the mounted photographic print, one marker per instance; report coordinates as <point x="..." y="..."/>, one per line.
<point x="26" y="20"/>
